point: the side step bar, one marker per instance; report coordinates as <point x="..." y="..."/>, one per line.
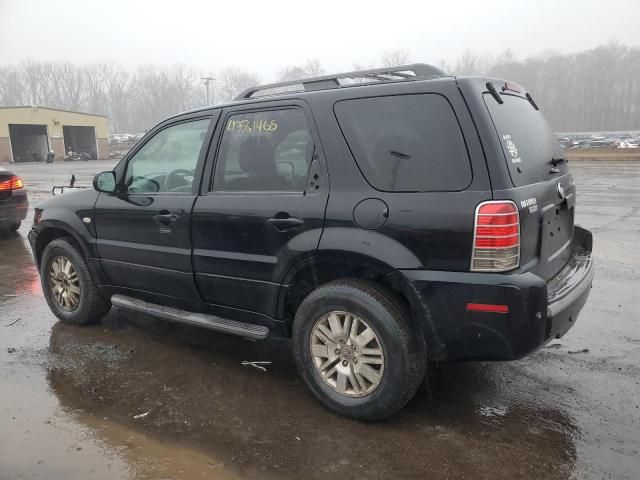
<point x="211" y="322"/>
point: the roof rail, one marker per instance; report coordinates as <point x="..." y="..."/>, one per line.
<point x="325" y="82"/>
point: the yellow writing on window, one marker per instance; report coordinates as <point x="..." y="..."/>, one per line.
<point x="251" y="126"/>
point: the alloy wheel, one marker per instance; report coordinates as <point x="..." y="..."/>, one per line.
<point x="64" y="283"/>
<point x="347" y="354"/>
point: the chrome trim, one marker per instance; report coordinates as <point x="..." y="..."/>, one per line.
<point x="557" y="307"/>
<point x="498" y="236"/>
<point x="498" y="226"/>
<point x="212" y="322"/>
<point x="475" y="227"/>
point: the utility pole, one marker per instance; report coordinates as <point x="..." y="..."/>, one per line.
<point x="207" y="81"/>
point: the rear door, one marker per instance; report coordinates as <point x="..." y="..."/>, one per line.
<point x="544" y="188"/>
<point x="263" y="208"/>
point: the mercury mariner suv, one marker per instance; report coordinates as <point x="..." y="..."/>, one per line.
<point x="383" y="219"/>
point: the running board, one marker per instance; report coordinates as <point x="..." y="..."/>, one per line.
<point x="211" y="322"/>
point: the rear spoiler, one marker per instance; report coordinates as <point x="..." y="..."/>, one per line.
<point x="509" y="87"/>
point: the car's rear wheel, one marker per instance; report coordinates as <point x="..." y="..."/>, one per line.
<point x="356" y="349"/>
<point x="68" y="286"/>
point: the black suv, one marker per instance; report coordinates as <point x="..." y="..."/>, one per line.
<point x="382" y="219"/>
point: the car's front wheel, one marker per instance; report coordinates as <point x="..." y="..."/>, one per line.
<point x="68" y="286"/>
<point x="356" y="349"/>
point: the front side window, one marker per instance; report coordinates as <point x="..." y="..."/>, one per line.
<point x="406" y="143"/>
<point x="167" y="162"/>
<point x="269" y="150"/>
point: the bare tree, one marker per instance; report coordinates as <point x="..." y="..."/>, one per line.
<point x="395" y="57"/>
<point x="232" y="81"/>
<point x="312" y="68"/>
<point x="291" y="73"/>
<point x="11" y="86"/>
<point x="34" y="79"/>
<point x="591" y="90"/>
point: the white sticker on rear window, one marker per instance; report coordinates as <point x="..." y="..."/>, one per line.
<point x="512" y="148"/>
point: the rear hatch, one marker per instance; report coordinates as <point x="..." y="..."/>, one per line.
<point x="543" y="188"/>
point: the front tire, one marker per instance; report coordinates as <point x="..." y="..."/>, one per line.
<point x="67" y="284"/>
<point x="356" y="350"/>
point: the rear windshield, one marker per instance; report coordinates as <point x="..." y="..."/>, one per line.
<point x="527" y="140"/>
<point x="409" y="143"/>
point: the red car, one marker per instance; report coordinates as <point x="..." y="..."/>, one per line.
<point x="13" y="201"/>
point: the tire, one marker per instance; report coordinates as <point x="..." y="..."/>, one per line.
<point x="402" y="357"/>
<point x="7" y="228"/>
<point x="90" y="307"/>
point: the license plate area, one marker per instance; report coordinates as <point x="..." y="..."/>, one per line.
<point x="557" y="233"/>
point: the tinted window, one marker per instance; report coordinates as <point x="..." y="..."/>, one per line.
<point x="528" y="142"/>
<point x="167" y="162"/>
<point x="406" y="142"/>
<point x="264" y="151"/>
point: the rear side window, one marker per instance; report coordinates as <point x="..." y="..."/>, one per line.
<point x="406" y="143"/>
<point x="527" y="140"/>
<point x="267" y="150"/>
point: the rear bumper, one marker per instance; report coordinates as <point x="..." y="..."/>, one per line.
<point x="538" y="311"/>
<point x="14" y="208"/>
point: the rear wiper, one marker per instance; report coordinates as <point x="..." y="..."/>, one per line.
<point x="555" y="162"/>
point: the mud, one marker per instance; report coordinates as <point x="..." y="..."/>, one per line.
<point x="68" y="396"/>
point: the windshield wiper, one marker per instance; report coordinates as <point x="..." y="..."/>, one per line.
<point x="555" y="162"/>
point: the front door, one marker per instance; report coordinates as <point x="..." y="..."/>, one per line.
<point x="143" y="231"/>
<point x="264" y="208"/>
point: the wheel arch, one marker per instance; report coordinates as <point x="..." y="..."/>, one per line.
<point x="327" y="266"/>
<point x="50" y="230"/>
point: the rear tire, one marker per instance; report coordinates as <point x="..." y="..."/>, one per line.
<point x="371" y="373"/>
<point x="67" y="284"/>
<point x="14" y="227"/>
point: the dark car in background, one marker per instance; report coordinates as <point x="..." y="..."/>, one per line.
<point x="13" y="201"/>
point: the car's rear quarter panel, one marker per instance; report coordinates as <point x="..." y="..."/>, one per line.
<point x="425" y="230"/>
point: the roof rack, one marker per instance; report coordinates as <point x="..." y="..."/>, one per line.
<point x="325" y="82"/>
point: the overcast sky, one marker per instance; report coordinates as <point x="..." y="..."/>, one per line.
<point x="267" y="35"/>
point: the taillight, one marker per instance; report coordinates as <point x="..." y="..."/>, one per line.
<point x="14" y="183"/>
<point x="496" y="237"/>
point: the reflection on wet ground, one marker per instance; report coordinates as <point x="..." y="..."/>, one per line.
<point x="70" y="396"/>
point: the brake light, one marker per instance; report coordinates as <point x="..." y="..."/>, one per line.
<point x="14" y="183"/>
<point x="496" y="237"/>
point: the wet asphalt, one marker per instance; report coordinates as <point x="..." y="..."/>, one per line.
<point x="138" y="398"/>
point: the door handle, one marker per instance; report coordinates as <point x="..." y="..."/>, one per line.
<point x="282" y="224"/>
<point x="165" y="218"/>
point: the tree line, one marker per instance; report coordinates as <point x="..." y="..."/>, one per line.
<point x="593" y="90"/>
<point x="598" y="89"/>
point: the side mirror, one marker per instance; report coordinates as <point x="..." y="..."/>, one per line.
<point x="105" y="182"/>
